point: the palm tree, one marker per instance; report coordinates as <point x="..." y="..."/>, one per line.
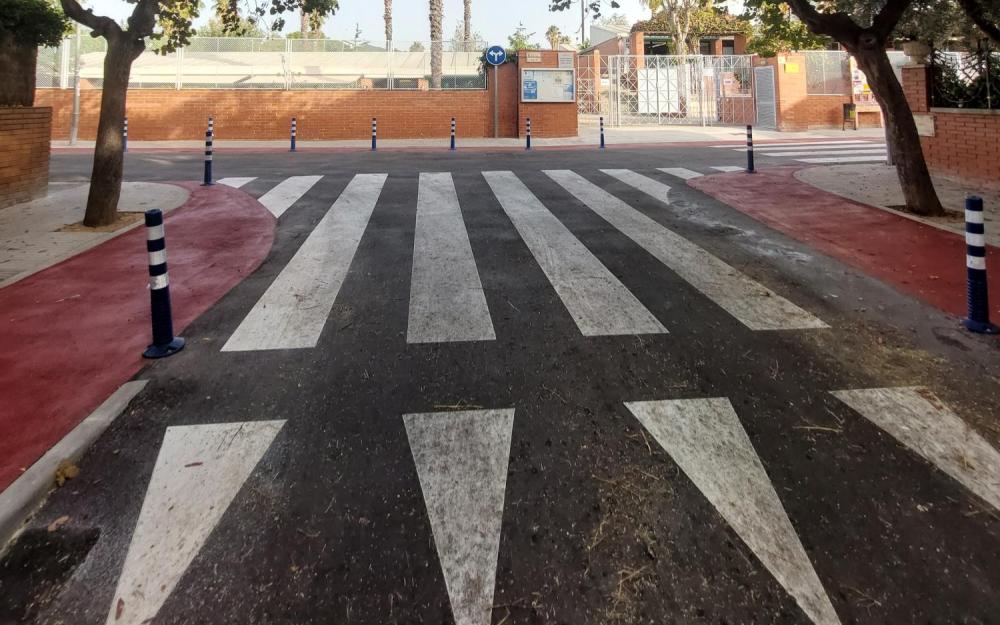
<point x="467" y="38"/>
<point x="554" y="36"/>
<point x="387" y="15"/>
<point x="436" y="16"/>
<point x="654" y="6"/>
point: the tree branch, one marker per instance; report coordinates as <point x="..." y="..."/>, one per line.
<point x="975" y="11"/>
<point x="886" y="20"/>
<point x="838" y="25"/>
<point x="100" y="25"/>
<point x="143" y="18"/>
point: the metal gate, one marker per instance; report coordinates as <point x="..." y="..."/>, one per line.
<point x="692" y="89"/>
<point x="767" y="114"/>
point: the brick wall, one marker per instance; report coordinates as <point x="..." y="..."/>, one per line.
<point x="962" y="143"/>
<point x="548" y="119"/>
<point x="24" y="153"/>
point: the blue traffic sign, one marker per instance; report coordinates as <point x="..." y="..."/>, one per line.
<point x="496" y="55"/>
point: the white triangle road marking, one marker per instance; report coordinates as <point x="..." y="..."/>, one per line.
<point x="918" y="419"/>
<point x="461" y="460"/>
<point x="645" y="184"/>
<point x="706" y="439"/>
<point x="286" y="193"/>
<point x="236" y="183"/>
<point x="198" y="472"/>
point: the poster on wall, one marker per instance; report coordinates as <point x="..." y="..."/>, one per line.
<point x="548" y="85"/>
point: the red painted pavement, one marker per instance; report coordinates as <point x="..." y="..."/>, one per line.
<point x="75" y="332"/>
<point x="917" y="259"/>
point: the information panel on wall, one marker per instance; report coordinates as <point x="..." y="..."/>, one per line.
<point x="548" y="85"/>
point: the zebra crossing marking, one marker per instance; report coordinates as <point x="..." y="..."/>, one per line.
<point x="598" y="302"/>
<point x="294" y="309"/>
<point x="845" y="159"/>
<point x="199" y="471"/>
<point x="754" y="305"/>
<point x="653" y="188"/>
<point x="461" y="460"/>
<point x="707" y="441"/>
<point x="919" y="420"/>
<point x="728" y="168"/>
<point x="681" y="172"/>
<point x="447" y="302"/>
<point x="286" y="193"/>
<point x="236" y="183"/>
<point x="868" y="151"/>
<point x="782" y="146"/>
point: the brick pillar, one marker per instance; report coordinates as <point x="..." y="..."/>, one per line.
<point x="917" y="87"/>
<point x="637" y="46"/>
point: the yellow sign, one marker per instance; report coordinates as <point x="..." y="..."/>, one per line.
<point x="791" y="68"/>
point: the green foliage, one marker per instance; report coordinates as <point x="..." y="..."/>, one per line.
<point x="521" y="40"/>
<point x="32" y="22"/>
<point x="593" y="6"/>
<point x="776" y="30"/>
<point x="615" y="19"/>
<point x="705" y="21"/>
<point x="417" y="46"/>
<point x="242" y="28"/>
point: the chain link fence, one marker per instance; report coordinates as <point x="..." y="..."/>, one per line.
<point x="246" y="63"/>
<point x="828" y="72"/>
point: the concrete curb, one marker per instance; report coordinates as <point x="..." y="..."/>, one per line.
<point x="22" y="498"/>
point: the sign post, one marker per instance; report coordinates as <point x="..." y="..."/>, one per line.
<point x="495" y="56"/>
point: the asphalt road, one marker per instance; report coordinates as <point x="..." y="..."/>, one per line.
<point x="539" y="394"/>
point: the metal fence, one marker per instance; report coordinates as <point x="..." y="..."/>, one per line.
<point x="968" y="80"/>
<point x="245" y="63"/>
<point x="692" y="89"/>
<point x="828" y="72"/>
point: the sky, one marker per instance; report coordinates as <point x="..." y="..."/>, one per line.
<point x="493" y="19"/>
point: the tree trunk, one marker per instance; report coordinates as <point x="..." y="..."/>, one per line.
<point x="387" y="16"/>
<point x="901" y="130"/>
<point x="17" y="72"/>
<point x="106" y="177"/>
<point x="304" y="24"/>
<point x="436" y="11"/>
<point x="467" y="25"/>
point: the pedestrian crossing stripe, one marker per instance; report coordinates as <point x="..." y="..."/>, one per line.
<point x="845" y="159"/>
<point x="832" y="144"/>
<point x="839" y="153"/>
<point x="681" y="172"/>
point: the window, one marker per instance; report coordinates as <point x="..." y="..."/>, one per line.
<point x="728" y="47"/>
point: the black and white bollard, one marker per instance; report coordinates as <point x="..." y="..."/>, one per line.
<point x="211" y="126"/>
<point x="125" y="134"/>
<point x="374" y="133"/>
<point x="975" y="262"/>
<point x="208" y="159"/>
<point x="602" y="133"/>
<point x="750" y="167"/>
<point x="164" y="342"/>
<point x="452" y="134"/>
<point x="292" y="149"/>
<point x="528" y="145"/>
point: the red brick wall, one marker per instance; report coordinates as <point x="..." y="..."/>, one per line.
<point x="548" y="119"/>
<point x="168" y="114"/>
<point x="24" y="153"/>
<point x="916" y="86"/>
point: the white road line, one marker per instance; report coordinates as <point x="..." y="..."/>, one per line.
<point x="286" y="193"/>
<point x="645" y="184"/>
<point x="292" y="312"/>
<point x="748" y="301"/>
<point x="845" y="159"/>
<point x="198" y="472"/>
<point x="594" y="297"/>
<point x="832" y="149"/>
<point x="461" y="460"/>
<point x="235" y="183"/>
<point x="869" y="151"/>
<point x="680" y="172"/>
<point x="446" y="295"/>
<point x="919" y="420"/>
<point x="821" y="143"/>
<point x="728" y="168"/>
<point x="705" y="438"/>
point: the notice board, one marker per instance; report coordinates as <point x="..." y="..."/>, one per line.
<point x="548" y="85"/>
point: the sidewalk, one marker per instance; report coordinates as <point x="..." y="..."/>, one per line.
<point x="919" y="259"/>
<point x="74" y="332"/>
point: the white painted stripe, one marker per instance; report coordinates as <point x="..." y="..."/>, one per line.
<point x="286" y="193"/>
<point x="748" y="301"/>
<point x="446" y="296"/>
<point x="868" y="151"/>
<point x="645" y="184"/>
<point x="597" y="301"/>
<point x="292" y="312"/>
<point x="461" y="460"/>
<point x="236" y="183"/>
<point x="831" y="143"/>
<point x="158" y="282"/>
<point x="974" y="217"/>
<point x="157" y="258"/>
<point x="818" y="147"/>
<point x="975" y="262"/>
<point x="198" y="472"/>
<point x="705" y="438"/>
<point x="155" y="233"/>
<point x="922" y="422"/>
<point x="974" y="239"/>
<point x="680" y="172"/>
<point x="845" y="159"/>
<point x="728" y="168"/>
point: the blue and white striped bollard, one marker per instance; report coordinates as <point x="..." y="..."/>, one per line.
<point x="208" y="159"/>
<point x="528" y="145"/>
<point x="164" y="342"/>
<point x="602" y="132"/>
<point x="125" y="134"/>
<point x="975" y="262"/>
<point x="293" y="135"/>
<point x="452" y="134"/>
<point x="374" y="133"/>
<point x="750" y="165"/>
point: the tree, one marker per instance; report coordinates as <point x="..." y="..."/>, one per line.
<point x="25" y="25"/>
<point x="467" y="23"/>
<point x="984" y="16"/>
<point x="521" y="40"/>
<point x="170" y="23"/>
<point x="652" y="5"/>
<point x="436" y="14"/>
<point x="776" y="30"/>
<point x="417" y="46"/>
<point x="615" y="19"/>
<point x="387" y="16"/>
<point x="555" y="37"/>
<point x="688" y="20"/>
<point x="459" y="43"/>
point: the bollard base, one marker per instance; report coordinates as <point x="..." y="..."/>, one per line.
<point x="162" y="351"/>
<point x="208" y="184"/>
<point x="979" y="327"/>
